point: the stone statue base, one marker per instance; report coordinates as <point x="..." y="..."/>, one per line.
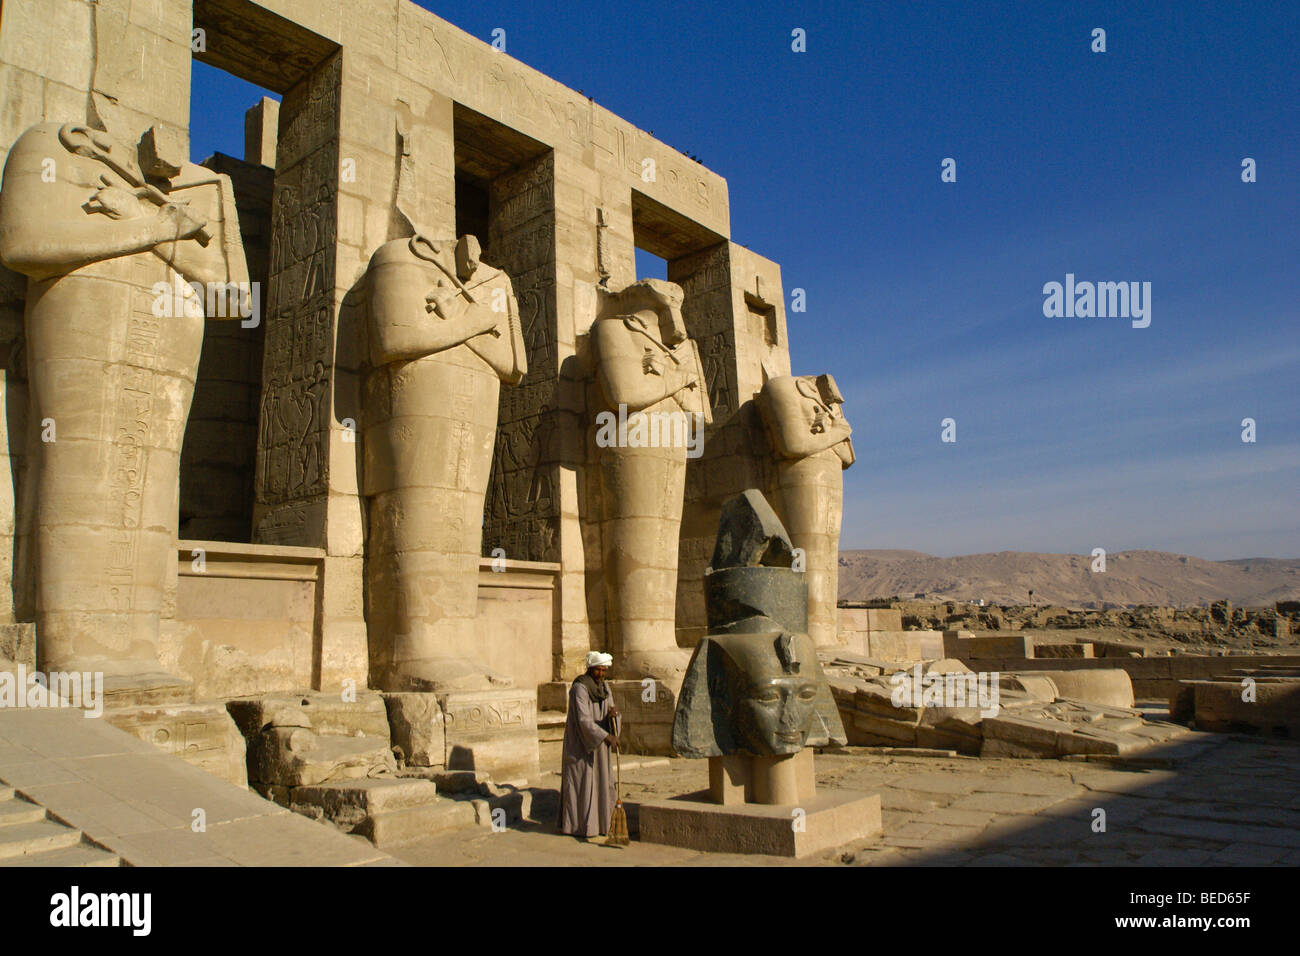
<point x="694" y="821"/>
<point x="782" y="779"/>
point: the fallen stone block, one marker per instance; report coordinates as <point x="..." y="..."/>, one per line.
<point x="388" y="811"/>
<point x="1267" y="705"/>
<point x="1110" y="687"/>
<point x="200" y="734"/>
<point x="992" y="647"/>
<point x="416" y="727"/>
<point x="493" y="731"/>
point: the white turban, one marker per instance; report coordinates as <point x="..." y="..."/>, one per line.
<point x="597" y="659"/>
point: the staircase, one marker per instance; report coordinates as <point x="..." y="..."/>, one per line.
<point x="29" y="837"/>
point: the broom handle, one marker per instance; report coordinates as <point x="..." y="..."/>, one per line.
<point x="618" y="766"/>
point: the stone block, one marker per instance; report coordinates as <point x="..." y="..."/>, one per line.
<point x="553" y="695"/>
<point x="1110" y="687"/>
<point x="492" y="731"/>
<point x="905" y="645"/>
<point x="993" y="646"/>
<point x="325" y="713"/>
<point x="200" y="734"/>
<point x="647" y="707"/>
<point x="416" y="726"/>
<point x="387" y="811"/>
<point x="1275" y="709"/>
<point x="830" y="819"/>
<point x="297" y="757"/>
<point x="884" y="619"/>
<point x="1067" y="650"/>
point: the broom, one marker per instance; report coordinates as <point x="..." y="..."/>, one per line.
<point x="618" y="835"/>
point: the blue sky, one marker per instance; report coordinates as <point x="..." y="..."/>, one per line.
<point x="925" y="298"/>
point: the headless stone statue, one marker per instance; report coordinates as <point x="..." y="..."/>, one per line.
<point x="804" y="416"/>
<point x="109" y="235"/>
<point x="444" y="335"/>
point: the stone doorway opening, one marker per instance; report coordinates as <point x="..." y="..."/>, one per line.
<point x="230" y="117"/>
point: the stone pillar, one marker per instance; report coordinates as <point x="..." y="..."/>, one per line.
<point x="306" y="490"/>
<point x="261" y="128"/>
<point x="734" y="310"/>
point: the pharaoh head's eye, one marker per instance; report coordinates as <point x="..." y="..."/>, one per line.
<point x="767" y="695"/>
<point x="807" y="692"/>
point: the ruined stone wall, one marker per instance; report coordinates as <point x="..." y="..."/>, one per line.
<point x="219" y="457"/>
<point x="371" y="90"/>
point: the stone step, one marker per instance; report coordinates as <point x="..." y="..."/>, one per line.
<point x="25" y="839"/>
<point x="146" y="690"/>
<point x="550" y="725"/>
<point x="388" y="811"/>
<point x="517" y="805"/>
<point x="331" y="758"/>
<point x="370" y="796"/>
<point x="15" y="811"/>
<point x="397" y="827"/>
<point x="81" y="855"/>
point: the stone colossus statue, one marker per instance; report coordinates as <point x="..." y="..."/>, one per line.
<point x="805" y="419"/>
<point x="110" y="236"/>
<point x="444" y="334"/>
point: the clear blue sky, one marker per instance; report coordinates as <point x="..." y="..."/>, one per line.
<point x="925" y="298"/>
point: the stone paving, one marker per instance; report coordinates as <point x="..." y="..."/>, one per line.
<point x="138" y="801"/>
<point x="1215" y="800"/>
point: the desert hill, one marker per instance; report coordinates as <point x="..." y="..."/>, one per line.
<point x="1130" y="578"/>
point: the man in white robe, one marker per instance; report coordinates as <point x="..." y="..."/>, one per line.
<point x="587" y="785"/>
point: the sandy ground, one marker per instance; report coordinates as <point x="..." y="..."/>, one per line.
<point x="1206" y="799"/>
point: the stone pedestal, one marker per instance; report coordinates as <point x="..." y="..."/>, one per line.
<point x="834" y="818"/>
<point x="782" y="779"/>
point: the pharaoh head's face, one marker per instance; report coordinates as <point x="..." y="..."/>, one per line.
<point x="660" y="299"/>
<point x="775" y="714"/>
<point x="773" y="691"/>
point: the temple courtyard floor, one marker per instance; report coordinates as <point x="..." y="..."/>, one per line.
<point x="1205" y="800"/>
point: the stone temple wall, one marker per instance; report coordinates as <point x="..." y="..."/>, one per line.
<point x="392" y="118"/>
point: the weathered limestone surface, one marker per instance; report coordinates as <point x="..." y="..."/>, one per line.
<point x="200" y="734"/>
<point x="1268" y="705"/>
<point x="1031" y="716"/>
<point x="444" y="333"/>
<point x="417" y="728"/>
<point x="94" y="243"/>
<point x="245" y="618"/>
<point x="492" y="731"/>
<point x="805" y="419"/>
<point x="391" y="123"/>
<point x="834" y="818"/>
<point x="650" y="386"/>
